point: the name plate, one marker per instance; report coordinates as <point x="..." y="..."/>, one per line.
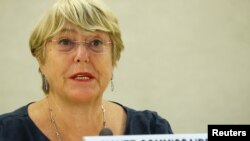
<point x="157" y="137"/>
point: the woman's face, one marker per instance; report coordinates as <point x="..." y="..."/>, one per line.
<point x="78" y="64"/>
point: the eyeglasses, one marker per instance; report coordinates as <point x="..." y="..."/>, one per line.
<point x="95" y="45"/>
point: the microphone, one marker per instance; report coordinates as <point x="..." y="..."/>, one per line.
<point x="105" y="132"/>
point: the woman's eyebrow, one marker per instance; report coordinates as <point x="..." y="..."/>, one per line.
<point x="88" y="34"/>
<point x="64" y="30"/>
<point x="72" y="30"/>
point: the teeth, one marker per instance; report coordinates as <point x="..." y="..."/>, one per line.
<point x="81" y="77"/>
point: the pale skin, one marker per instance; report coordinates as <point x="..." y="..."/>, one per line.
<point x="77" y="104"/>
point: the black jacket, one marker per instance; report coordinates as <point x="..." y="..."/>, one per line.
<point x="17" y="125"/>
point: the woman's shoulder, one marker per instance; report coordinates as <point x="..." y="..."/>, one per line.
<point x="145" y="122"/>
<point x="11" y="123"/>
<point x="19" y="114"/>
<point x="17" y="125"/>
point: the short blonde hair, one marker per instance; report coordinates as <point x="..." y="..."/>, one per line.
<point x="89" y="15"/>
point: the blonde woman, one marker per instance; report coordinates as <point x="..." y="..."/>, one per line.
<point x="77" y="45"/>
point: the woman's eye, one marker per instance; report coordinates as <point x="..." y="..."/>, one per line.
<point x="96" y="42"/>
<point x="65" y="42"/>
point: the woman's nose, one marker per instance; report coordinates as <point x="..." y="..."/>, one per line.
<point x="82" y="54"/>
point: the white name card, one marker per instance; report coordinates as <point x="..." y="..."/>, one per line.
<point x="158" y="137"/>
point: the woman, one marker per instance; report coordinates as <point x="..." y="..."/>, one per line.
<point x="77" y="45"/>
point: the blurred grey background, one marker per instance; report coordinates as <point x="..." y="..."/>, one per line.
<point x="186" y="59"/>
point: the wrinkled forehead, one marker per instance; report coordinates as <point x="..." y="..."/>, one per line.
<point x="76" y="31"/>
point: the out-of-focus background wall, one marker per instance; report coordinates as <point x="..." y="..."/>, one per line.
<point x="187" y="60"/>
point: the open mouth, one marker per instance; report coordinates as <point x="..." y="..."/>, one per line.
<point x="82" y="76"/>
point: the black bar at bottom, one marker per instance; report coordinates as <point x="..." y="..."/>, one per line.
<point x="221" y="132"/>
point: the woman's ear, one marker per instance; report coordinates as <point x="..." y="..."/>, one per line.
<point x="41" y="65"/>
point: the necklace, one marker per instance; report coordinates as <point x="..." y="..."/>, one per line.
<point x="53" y="121"/>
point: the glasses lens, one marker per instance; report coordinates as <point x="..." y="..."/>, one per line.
<point x="65" y="45"/>
<point x="94" y="46"/>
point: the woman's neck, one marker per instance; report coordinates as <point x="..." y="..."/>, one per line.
<point x="81" y="119"/>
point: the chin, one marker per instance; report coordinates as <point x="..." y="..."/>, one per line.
<point x="83" y="96"/>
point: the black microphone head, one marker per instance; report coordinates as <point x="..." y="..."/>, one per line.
<point x="106" y="132"/>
